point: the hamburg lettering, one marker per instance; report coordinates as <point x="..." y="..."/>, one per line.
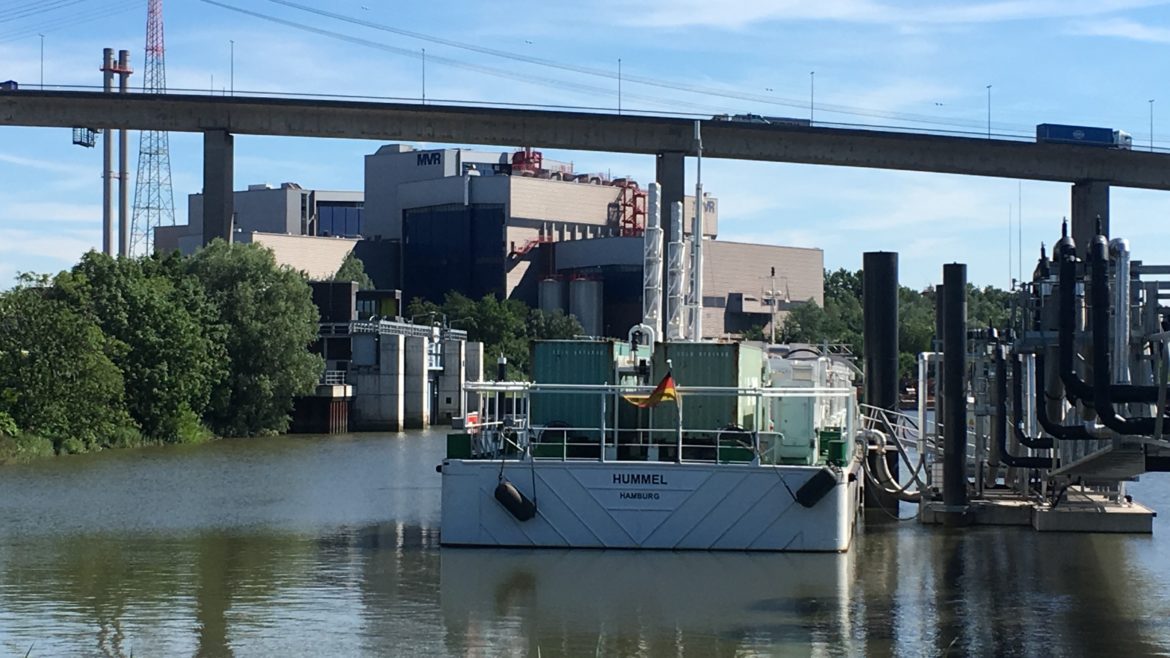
<point x="639" y="478"/>
<point x="638" y="495"/>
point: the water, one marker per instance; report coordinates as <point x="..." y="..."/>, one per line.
<point x="328" y="546"/>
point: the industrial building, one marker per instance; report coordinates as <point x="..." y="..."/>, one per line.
<point x="396" y="375"/>
<point x="285" y="210"/>
<point x="514" y="225"/>
<point x="519" y="226"/>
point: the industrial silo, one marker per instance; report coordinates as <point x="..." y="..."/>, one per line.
<point x="550" y="295"/>
<point x="585" y="303"/>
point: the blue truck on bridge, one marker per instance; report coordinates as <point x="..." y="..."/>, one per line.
<point x="1055" y="133"/>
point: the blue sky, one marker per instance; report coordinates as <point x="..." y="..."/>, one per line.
<point x="915" y="63"/>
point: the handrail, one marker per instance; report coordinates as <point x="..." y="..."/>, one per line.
<point x="625" y="389"/>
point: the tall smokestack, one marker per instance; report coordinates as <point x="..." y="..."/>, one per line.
<point x="107" y="160"/>
<point x="123" y="159"/>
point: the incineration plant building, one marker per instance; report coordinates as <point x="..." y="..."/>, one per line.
<point x="515" y="225"/>
<point x="520" y="226"/>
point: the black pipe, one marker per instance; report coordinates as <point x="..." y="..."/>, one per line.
<point x="1038" y="442"/>
<point x="1103" y="391"/>
<point x="1075" y="387"/>
<point x="954" y="373"/>
<point x="999" y="425"/>
<point x="879" y="298"/>
<point x="1061" y="432"/>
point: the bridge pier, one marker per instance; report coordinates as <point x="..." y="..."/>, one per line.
<point x="218" y="201"/>
<point x="670" y="173"/>
<point x="1090" y="200"/>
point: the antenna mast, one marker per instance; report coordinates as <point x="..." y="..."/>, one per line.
<point x="154" y="201"/>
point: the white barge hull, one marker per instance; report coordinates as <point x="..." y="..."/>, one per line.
<point x="648" y="505"/>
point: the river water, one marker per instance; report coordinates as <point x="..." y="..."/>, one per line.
<point x="329" y="546"/>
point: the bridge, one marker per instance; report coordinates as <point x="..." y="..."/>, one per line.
<point x="1091" y="171"/>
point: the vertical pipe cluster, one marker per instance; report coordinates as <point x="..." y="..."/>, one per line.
<point x="954" y="390"/>
<point x="652" y="262"/>
<point x="880" y="315"/>
<point x="675" y="280"/>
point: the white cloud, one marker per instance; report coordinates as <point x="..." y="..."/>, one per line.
<point x="27" y="250"/>
<point x="735" y="14"/>
<point x="44" y="213"/>
<point x="1122" y="28"/>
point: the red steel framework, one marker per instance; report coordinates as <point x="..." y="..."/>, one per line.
<point x="154" y="200"/>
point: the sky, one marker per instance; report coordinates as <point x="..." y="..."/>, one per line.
<point x="919" y="64"/>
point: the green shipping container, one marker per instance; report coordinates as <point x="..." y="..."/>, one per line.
<point x="572" y="362"/>
<point x="729" y="365"/>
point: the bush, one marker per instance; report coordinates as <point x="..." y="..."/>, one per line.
<point x="18" y="448"/>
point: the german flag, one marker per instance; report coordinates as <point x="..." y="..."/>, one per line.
<point x="664" y="391"/>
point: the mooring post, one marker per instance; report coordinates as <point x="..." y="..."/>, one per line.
<point x="879" y="295"/>
<point x="954" y="393"/>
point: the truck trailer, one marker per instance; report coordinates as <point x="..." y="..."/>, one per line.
<point x="1055" y="133"/>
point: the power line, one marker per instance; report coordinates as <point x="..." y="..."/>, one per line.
<point x="486" y="70"/>
<point x="604" y="73"/>
<point x="82" y="16"/>
<point x="34" y="8"/>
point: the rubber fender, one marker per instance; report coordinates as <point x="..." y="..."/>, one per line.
<point x="818" y="486"/>
<point x="514" y="501"/>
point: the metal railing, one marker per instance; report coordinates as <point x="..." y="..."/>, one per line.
<point x="506" y="431"/>
<point x="332" y="378"/>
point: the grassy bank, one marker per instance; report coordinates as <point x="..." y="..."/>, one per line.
<point x="24" y="448"/>
<point x="17" y="447"/>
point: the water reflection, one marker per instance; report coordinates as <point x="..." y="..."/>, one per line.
<point x="644" y="603"/>
<point x="159" y="570"/>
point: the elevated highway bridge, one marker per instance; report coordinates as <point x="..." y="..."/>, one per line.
<point x="1091" y="171"/>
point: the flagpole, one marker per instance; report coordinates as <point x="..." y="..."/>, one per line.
<point x="678" y="406"/>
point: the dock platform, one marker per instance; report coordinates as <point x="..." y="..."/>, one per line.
<point x="1079" y="511"/>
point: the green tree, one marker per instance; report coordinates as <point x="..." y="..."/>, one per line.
<point x="353" y="269"/>
<point x="57" y="378"/>
<point x="841" y="321"/>
<point x="504" y="327"/>
<point x="267" y="320"/>
<point x="167" y="347"/>
<point x="543" y="325"/>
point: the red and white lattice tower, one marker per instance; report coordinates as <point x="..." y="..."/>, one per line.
<point x="154" y="201"/>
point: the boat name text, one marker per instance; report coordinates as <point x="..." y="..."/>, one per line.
<point x="639" y="478"/>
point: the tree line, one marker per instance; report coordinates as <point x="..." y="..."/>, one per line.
<point x="158" y="349"/>
<point x="840" y="319"/>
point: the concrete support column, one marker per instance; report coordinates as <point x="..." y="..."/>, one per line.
<point x="391" y="368"/>
<point x="416" y="400"/>
<point x="473" y="358"/>
<point x="670" y="173"/>
<point x="217" y="185"/>
<point x="1090" y="200"/>
<point x="451" y="402"/>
